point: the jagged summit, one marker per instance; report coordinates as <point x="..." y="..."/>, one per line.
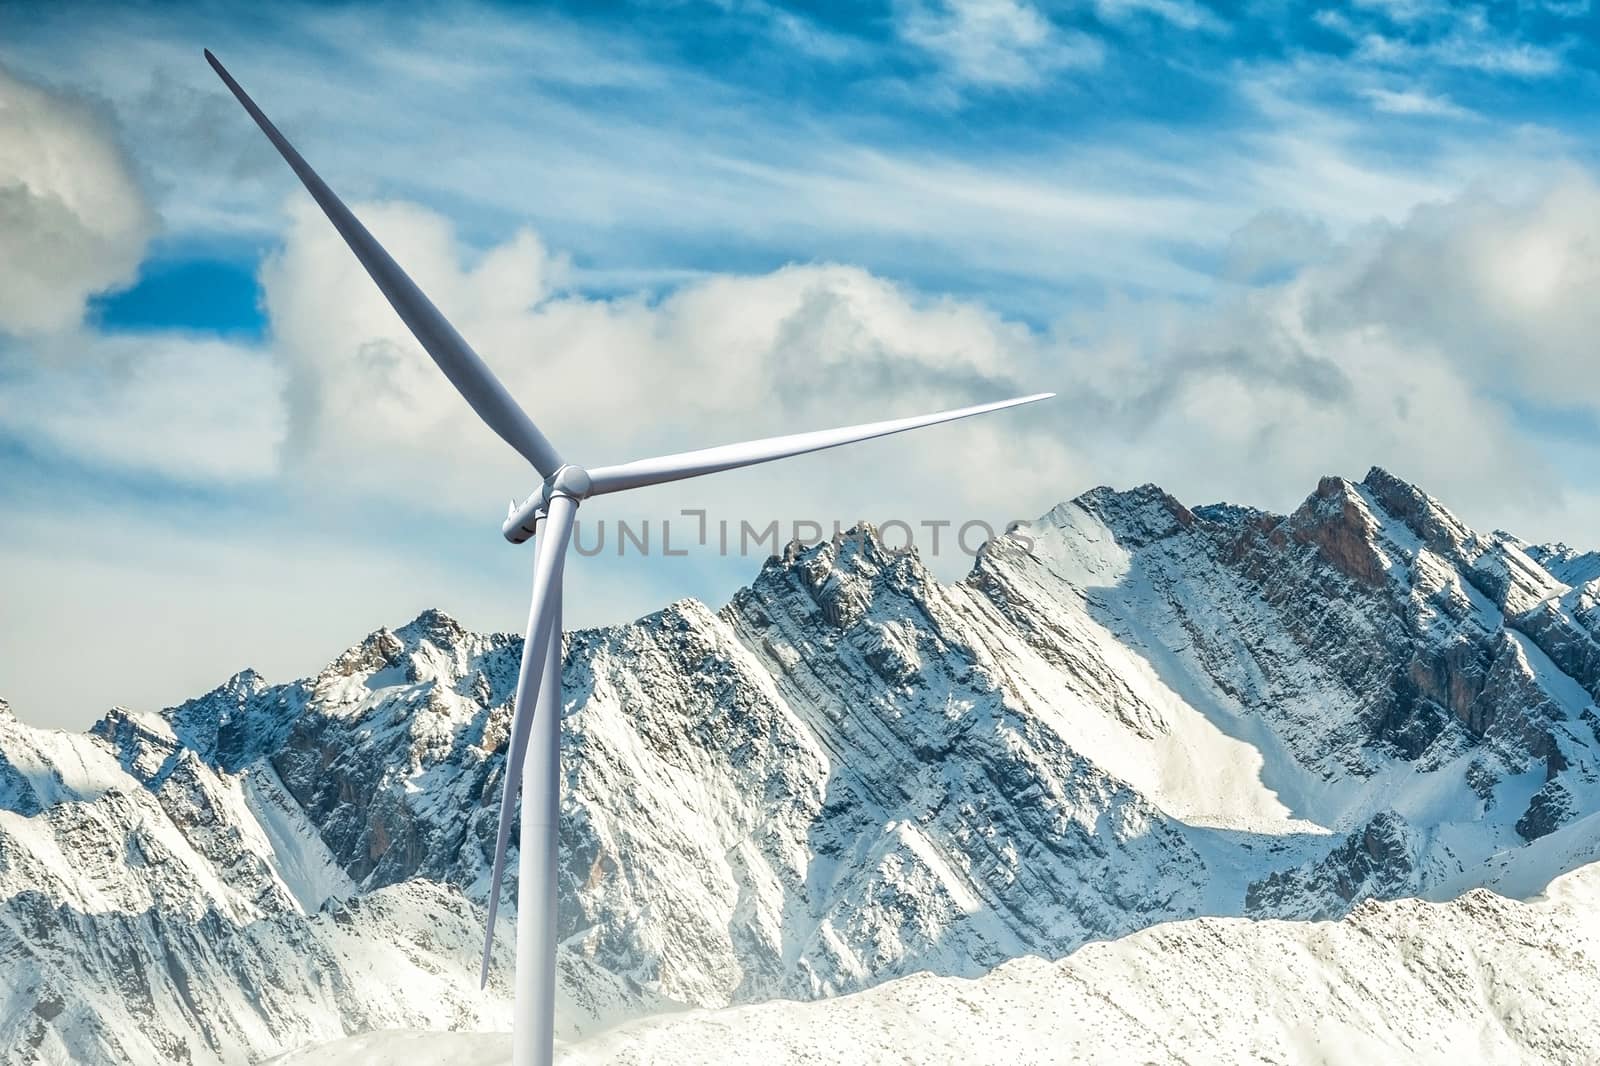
<point x="432" y="625"/>
<point x="1146" y="512"/>
<point x="1130" y="712"/>
<point x="1378" y="477"/>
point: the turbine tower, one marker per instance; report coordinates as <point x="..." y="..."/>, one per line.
<point x="533" y="758"/>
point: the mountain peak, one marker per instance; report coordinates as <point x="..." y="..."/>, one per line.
<point x="1425" y="516"/>
<point x="860" y="549"/>
<point x="1378" y="476"/>
<point x="843" y="574"/>
<point x="1344" y="520"/>
<point x="433" y="625"/>
<point x="378" y="649"/>
<point x="1139" y="515"/>
<point x="246" y="682"/>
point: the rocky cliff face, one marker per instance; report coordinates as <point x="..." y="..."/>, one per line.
<point x="1130" y="712"/>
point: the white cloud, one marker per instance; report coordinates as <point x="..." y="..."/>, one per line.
<point x="360" y="386"/>
<point x="723" y="358"/>
<point x="1406" y="12"/>
<point x="73" y="221"/>
<point x="1518" y="58"/>
<point x="1419" y="345"/>
<point x="1507" y="289"/>
<point x="996" y="43"/>
<point x="1253" y="404"/>
<point x="1430" y="346"/>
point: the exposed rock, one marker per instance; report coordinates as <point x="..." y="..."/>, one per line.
<point x="1550" y="809"/>
<point x="1376" y="861"/>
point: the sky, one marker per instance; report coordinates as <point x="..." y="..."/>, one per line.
<point x="1248" y="245"/>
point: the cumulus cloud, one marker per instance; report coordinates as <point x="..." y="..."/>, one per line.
<point x="359" y="384"/>
<point x="720" y="359"/>
<point x="1506" y="289"/>
<point x="1253" y="405"/>
<point x="1436" y="346"/>
<point x="1422" y="345"/>
<point x="73" y="221"/>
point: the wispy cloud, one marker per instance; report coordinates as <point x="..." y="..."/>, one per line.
<point x="1184" y="14"/>
<point x="1406" y="12"/>
<point x="1004" y="44"/>
<point x="1413" y="102"/>
<point x="1420" y="35"/>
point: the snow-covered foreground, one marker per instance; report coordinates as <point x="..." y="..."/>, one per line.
<point x="406" y="1047"/>
<point x="1479" y="979"/>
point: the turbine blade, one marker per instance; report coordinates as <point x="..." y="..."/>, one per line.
<point x="466" y="371"/>
<point x="665" y="468"/>
<point x="542" y="613"/>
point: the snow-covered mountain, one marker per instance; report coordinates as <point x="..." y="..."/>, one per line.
<point x="1129" y="713"/>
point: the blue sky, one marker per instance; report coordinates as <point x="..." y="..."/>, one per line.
<point x="1248" y="244"/>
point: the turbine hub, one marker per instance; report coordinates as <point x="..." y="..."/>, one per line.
<point x="571" y="480"/>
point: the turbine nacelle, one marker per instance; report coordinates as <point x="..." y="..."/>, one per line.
<point x="522" y="519"/>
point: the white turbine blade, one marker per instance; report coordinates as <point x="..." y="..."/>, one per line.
<point x="466" y="371"/>
<point x="665" y="468"/>
<point x="542" y="613"/>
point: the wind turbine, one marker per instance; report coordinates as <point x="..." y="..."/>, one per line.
<point x="534" y="756"/>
